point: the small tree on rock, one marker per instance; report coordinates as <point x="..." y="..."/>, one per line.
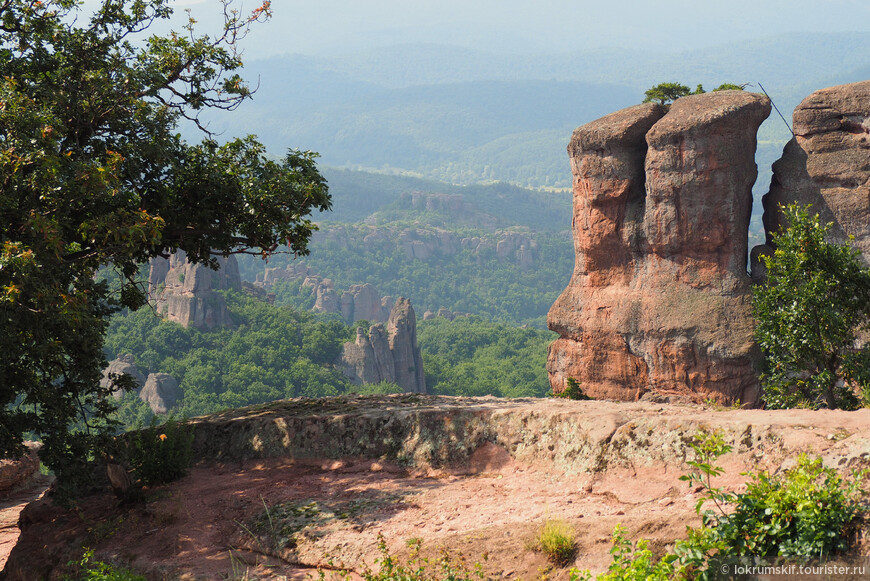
<point x="666" y="93"/>
<point x="815" y="302"/>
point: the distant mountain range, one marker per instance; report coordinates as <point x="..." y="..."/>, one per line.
<point x="464" y="116"/>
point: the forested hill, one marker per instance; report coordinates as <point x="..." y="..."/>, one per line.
<point x="490" y="258"/>
<point x="359" y="196"/>
<point x="497" y="251"/>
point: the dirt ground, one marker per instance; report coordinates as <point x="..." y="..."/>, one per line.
<point x="11" y="505"/>
<point x="285" y="518"/>
<point x="215" y="523"/>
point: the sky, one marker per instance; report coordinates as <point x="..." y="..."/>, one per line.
<point x="334" y="27"/>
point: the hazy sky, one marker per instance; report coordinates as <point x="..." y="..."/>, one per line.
<point x="334" y="26"/>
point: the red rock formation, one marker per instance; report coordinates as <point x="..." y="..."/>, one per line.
<point x="827" y="164"/>
<point x="184" y="292"/>
<point x="16" y="473"/>
<point x="660" y="300"/>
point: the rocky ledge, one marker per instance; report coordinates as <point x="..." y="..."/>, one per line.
<point x="474" y="474"/>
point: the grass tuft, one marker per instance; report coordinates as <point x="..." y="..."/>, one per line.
<point x="557" y="540"/>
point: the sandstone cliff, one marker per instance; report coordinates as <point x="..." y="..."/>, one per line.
<point x="660" y="299"/>
<point x="387" y="354"/>
<point x="184" y="292"/>
<point x="827" y="165"/>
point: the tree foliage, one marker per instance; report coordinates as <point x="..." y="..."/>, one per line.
<point x="496" y="288"/>
<point x="276" y="352"/>
<point x="667" y="93"/>
<point x="810" y="311"/>
<point x="472" y="357"/>
<point x="94" y="173"/>
<point x="271" y="353"/>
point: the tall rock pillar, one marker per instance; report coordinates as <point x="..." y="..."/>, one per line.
<point x="402" y="333"/>
<point x="390" y="354"/>
<point x="660" y="299"/>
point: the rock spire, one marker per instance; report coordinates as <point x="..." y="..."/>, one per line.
<point x="660" y="298"/>
<point x="387" y="353"/>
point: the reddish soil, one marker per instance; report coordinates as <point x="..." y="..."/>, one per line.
<point x="11" y="505"/>
<point x="280" y="518"/>
<point x="202" y="527"/>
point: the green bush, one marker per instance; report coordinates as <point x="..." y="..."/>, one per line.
<point x="446" y="567"/>
<point x="573" y="391"/>
<point x="807" y="512"/>
<point x="161" y="454"/>
<point x="810" y="312"/>
<point x="634" y="563"/>
<point x="99" y="571"/>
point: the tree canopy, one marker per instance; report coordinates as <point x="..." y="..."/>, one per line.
<point x="815" y="302"/>
<point x="667" y="93"/>
<point x="93" y="173"/>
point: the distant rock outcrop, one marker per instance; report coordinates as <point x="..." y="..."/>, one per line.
<point x="454" y="206"/>
<point x="826" y="164"/>
<point x="161" y="392"/>
<point x="359" y="302"/>
<point x="362" y="302"/>
<point x="124" y="365"/>
<point x="660" y="298"/>
<point x="184" y="292"/>
<point x="387" y="354"/>
<point x="515" y="245"/>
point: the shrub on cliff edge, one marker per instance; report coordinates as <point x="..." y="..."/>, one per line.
<point x="810" y="310"/>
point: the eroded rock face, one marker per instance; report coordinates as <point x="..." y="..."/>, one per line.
<point x="184" y="292"/>
<point x="827" y="165"/>
<point x="364" y="302"/>
<point x="660" y="299"/>
<point x="15" y="473"/>
<point x="402" y="332"/>
<point x="387" y="354"/>
<point x="161" y="392"/>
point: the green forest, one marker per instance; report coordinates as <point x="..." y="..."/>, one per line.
<point x="278" y="348"/>
<point x="277" y="352"/>
<point x="467" y="280"/>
